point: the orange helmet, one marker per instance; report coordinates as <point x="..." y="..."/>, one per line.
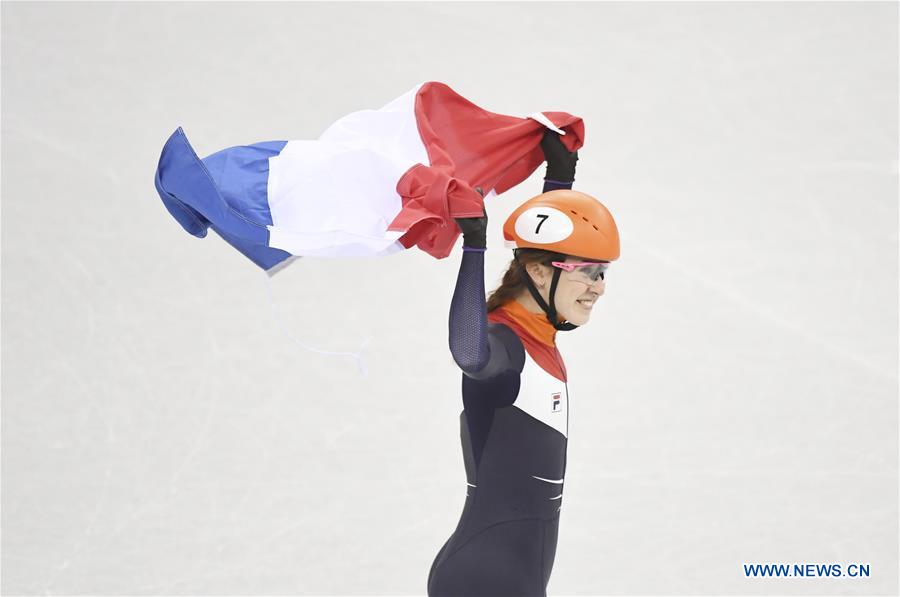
<point x="564" y="221"/>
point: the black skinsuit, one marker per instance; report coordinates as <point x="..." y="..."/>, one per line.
<point x="513" y="430"/>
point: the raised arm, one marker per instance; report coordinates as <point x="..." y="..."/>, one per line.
<point x="479" y="353"/>
<point x="468" y="313"/>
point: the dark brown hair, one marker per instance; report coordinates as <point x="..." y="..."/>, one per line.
<point x="514" y="279"/>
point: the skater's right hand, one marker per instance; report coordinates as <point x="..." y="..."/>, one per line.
<point x="474" y="229"/>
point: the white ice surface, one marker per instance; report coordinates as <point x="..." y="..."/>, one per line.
<point x="736" y="389"/>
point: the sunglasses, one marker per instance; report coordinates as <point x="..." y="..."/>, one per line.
<point x="587" y="272"/>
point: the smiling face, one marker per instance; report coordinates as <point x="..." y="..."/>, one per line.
<point x="576" y="292"/>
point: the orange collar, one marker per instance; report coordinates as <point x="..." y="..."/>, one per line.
<point x="535" y="324"/>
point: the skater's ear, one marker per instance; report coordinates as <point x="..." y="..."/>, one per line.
<point x="539" y="273"/>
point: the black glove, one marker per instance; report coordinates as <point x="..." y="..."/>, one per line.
<point x="474" y="229"/>
<point x="560" y="161"/>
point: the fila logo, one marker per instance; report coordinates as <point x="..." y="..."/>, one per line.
<point x="556" y="402"/>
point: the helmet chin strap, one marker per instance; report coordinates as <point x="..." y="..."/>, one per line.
<point x="550" y="309"/>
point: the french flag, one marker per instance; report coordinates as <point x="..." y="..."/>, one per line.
<point x="374" y="183"/>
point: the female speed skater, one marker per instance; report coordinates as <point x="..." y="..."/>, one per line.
<point x="514" y="424"/>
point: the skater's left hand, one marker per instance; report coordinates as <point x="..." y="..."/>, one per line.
<point x="560" y="161"/>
